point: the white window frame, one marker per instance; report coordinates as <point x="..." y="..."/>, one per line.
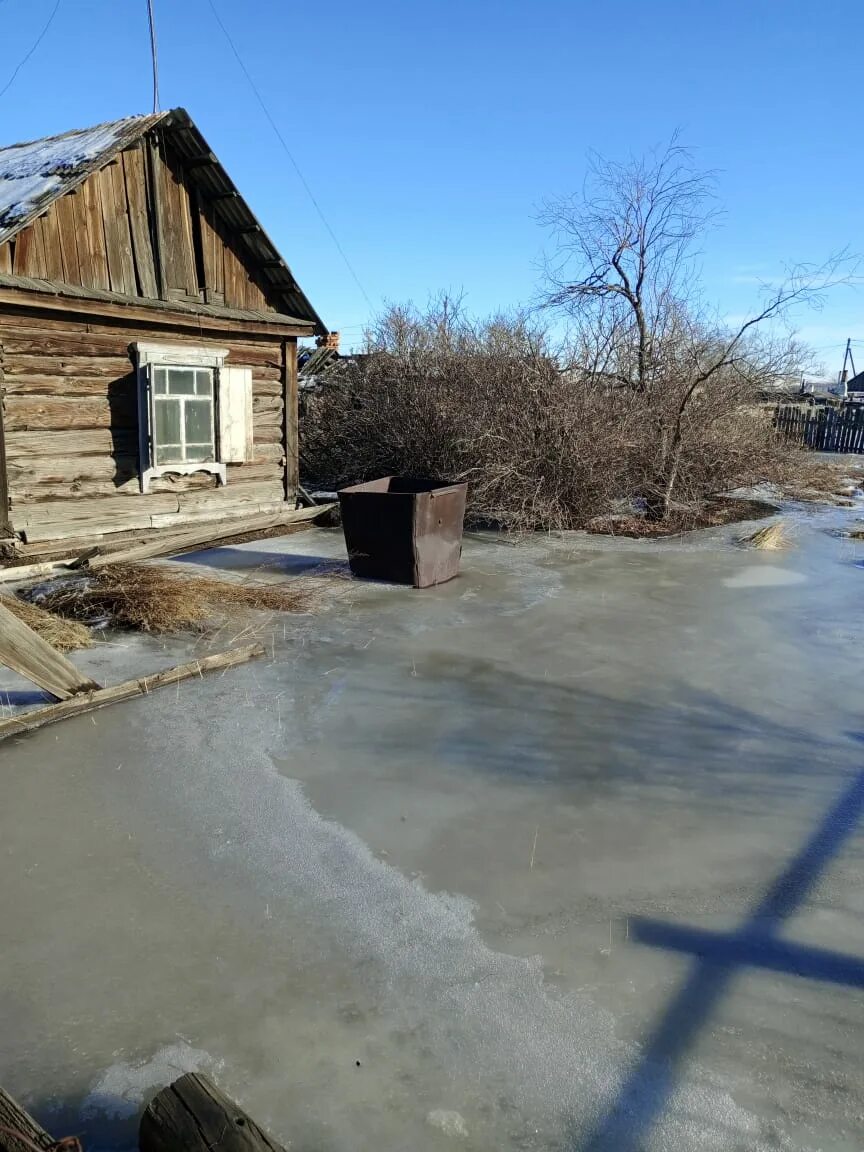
<point x="148" y="356"/>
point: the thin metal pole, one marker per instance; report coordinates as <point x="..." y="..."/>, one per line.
<point x="153" y="55"/>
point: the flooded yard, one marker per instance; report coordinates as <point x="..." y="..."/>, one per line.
<point x="562" y="855"/>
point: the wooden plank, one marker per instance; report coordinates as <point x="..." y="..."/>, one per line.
<point x="86" y="272"/>
<point x="152" y="165"/>
<point x="54" y="269"/>
<point x="6" y="258"/>
<point x="101" y="697"/>
<point x="211" y="248"/>
<point x="118" y="239"/>
<point x="64" y="210"/>
<point x="37" y="255"/>
<point x="24" y="243"/>
<point x="102" y="442"/>
<point x="175" y="543"/>
<point x="172" y="229"/>
<point x="13" y="1119"/>
<point x="291" y="418"/>
<point x="91" y="191"/>
<point x="5" y="526"/>
<point x="139" y="222"/>
<point x="22" y="572"/>
<point x="26" y="653"/>
<point x="185" y="209"/>
<point x="192" y="1115"/>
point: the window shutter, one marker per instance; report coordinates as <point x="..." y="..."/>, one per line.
<point x="145" y="403"/>
<point x="235" y="415"/>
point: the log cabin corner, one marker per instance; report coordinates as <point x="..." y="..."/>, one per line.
<point x="148" y="341"/>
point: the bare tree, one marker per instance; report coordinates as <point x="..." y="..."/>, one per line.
<point x="624" y="271"/>
<point x="625" y="250"/>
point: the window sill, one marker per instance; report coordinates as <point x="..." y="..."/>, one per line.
<point x="218" y="470"/>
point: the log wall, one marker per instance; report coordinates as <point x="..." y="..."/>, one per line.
<point x="70" y="427"/>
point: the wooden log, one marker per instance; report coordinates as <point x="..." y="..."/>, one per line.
<point x="193" y="1115"/>
<point x="101" y="697"/>
<point x="26" y="653"/>
<point x="170" y="545"/>
<point x="55" y="413"/>
<point x="69" y="364"/>
<point x="22" y="572"/>
<point x="54" y="442"/>
<point x="16" y="1123"/>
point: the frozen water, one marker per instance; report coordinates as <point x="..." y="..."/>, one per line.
<point x="388" y="873"/>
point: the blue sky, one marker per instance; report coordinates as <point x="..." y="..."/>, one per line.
<point x="430" y="134"/>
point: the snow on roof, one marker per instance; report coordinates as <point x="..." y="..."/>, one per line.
<point x="33" y="174"/>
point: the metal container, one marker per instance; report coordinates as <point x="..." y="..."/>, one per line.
<point x="404" y="529"/>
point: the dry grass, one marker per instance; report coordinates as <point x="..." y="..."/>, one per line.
<point x="64" y="635"/>
<point x="158" y="599"/>
<point x="773" y="538"/>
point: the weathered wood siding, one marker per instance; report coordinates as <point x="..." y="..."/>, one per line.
<point x="69" y="415"/>
<point x="138" y="215"/>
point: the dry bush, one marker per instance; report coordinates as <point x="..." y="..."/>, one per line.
<point x="543" y="444"/>
<point x="158" y="599"/>
<point x="64" y="635"/>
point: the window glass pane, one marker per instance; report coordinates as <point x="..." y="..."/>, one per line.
<point x="166" y="421"/>
<point x="181" y="381"/>
<point x="169" y="454"/>
<point x="204" y="382"/>
<point x="159" y="386"/>
<point x="199" y="422"/>
<point x="195" y="452"/>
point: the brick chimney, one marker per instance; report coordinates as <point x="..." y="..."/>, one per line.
<point x="331" y="340"/>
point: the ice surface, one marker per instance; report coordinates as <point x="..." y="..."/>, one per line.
<point x="388" y="873"/>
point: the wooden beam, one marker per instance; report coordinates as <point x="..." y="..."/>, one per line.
<point x="159" y="315"/>
<point x="290" y="415"/>
<point x="4" y="476"/>
<point x="18" y="1130"/>
<point x="164" y="545"/>
<point x="101" y="697"/>
<point x="26" y="653"/>
<point x="192" y="1115"/>
<point x="153" y="175"/>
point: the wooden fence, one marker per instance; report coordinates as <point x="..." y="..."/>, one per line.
<point x="828" y="428"/>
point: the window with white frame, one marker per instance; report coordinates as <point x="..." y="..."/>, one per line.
<point x="184" y="415"/>
<point x="195" y="412"/>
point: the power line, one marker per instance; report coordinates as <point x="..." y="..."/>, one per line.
<point x="153" y="56"/>
<point x="39" y="40"/>
<point x="289" y="154"/>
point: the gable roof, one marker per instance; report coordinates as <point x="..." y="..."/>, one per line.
<point x="35" y="174"/>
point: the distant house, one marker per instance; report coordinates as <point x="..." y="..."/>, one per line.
<point x="148" y="338"/>
<point x="855" y="387"/>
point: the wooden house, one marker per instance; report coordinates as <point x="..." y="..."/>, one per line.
<point x="148" y="340"/>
